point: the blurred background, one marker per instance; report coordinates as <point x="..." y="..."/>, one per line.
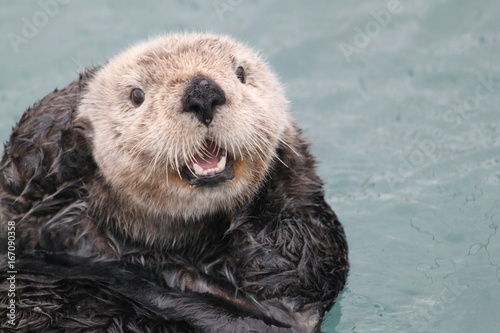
<point x="400" y="100"/>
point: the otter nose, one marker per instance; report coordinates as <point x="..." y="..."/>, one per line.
<point x="202" y="97"/>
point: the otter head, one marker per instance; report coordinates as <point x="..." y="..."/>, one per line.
<point x="185" y="125"/>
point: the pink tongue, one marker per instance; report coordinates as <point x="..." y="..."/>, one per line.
<point x="209" y="157"/>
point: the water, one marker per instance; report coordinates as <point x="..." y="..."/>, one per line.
<point x="402" y="110"/>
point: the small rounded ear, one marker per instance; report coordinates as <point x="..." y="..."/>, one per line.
<point x="84" y="131"/>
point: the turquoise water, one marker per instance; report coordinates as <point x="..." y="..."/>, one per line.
<point x="400" y="99"/>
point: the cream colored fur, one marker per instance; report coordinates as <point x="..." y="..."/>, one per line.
<point x="140" y="151"/>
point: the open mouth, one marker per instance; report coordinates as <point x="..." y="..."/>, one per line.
<point x="210" y="167"/>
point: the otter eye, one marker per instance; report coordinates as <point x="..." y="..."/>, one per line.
<point x="137" y="96"/>
<point x="240" y="74"/>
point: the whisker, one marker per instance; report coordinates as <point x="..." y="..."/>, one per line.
<point x="176" y="160"/>
<point x="288" y="146"/>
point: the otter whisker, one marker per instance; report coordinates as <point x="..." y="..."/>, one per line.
<point x="237" y="145"/>
<point x="138" y="147"/>
<point x="248" y="152"/>
<point x="279" y="159"/>
<point x="234" y="150"/>
<point x="183" y="148"/>
<point x="218" y="150"/>
<point x="227" y="147"/>
<point x="282" y="141"/>
<point x="259" y="150"/>
<point x="190" y="151"/>
<point x="188" y="157"/>
<point x="155" y="164"/>
<point x="176" y="160"/>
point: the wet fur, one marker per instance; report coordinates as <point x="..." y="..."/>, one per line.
<point x="273" y="263"/>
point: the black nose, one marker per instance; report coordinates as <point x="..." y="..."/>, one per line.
<point x="201" y="97"/>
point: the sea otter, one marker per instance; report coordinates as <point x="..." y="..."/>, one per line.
<point x="168" y="190"/>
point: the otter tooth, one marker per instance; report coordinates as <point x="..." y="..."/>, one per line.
<point x="197" y="169"/>
<point x="222" y="163"/>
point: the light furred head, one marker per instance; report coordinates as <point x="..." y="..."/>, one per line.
<point x="185" y="125"/>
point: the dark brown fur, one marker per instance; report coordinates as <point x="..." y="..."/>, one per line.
<point x="277" y="262"/>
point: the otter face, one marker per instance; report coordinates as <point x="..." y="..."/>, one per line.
<point x="186" y="124"/>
